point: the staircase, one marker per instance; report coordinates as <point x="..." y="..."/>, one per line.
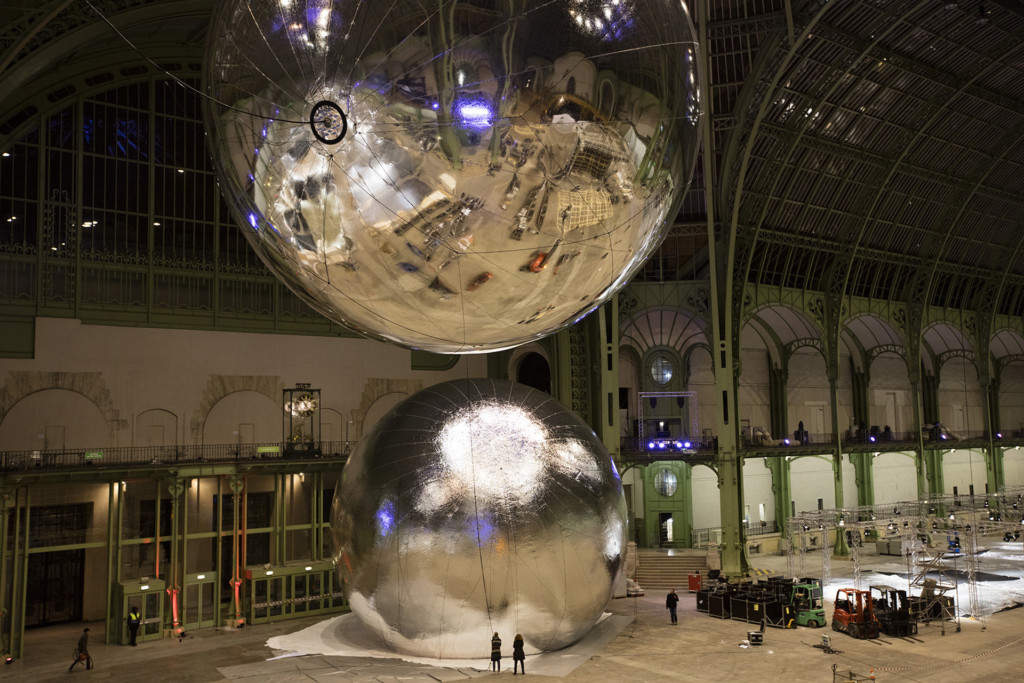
<point x="659" y="570"/>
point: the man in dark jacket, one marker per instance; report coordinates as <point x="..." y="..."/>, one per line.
<point x="671" y="600"/>
<point x="82" y="652"/>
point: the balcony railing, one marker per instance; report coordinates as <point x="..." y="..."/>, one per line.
<point x="137" y="456"/>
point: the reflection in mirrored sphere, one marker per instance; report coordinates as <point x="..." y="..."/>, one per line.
<point x="454" y="176"/>
<point x="478" y="506"/>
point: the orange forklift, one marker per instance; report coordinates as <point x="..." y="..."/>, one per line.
<point x="854" y="614"/>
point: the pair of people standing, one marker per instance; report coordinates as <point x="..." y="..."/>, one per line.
<point x="518" y="655"/>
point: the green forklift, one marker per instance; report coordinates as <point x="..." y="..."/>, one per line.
<point x="808" y="604"/>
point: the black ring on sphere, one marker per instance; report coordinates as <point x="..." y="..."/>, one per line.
<point x="325" y="119"/>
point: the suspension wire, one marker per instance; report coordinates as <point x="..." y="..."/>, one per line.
<point x="176" y="79"/>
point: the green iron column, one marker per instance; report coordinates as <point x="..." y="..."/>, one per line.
<point x="237" y="485"/>
<point x="176" y="489"/>
<point x="992" y="422"/>
<point x="832" y="370"/>
<point x="604" y="335"/>
<point x="931" y="458"/>
<point x="782" y="490"/>
<point x="8" y="497"/>
<point x="778" y="403"/>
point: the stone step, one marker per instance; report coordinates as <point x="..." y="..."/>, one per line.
<point x="659" y="571"/>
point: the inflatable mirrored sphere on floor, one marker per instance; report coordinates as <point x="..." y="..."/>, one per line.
<point x="474" y="507"/>
<point x="453" y="176"/>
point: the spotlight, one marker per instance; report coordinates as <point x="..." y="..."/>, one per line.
<point x="842" y="522"/>
<point x="686" y="444"/>
<point x="871" y="439"/>
<point x="785" y="441"/>
<point x="650" y="445"/>
<point x="999" y="435"/>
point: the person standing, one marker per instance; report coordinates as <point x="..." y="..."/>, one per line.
<point x="134" y="618"/>
<point x="671" y="600"/>
<point x="495" y="652"/>
<point x="518" y="655"/>
<point x="82" y="652"/>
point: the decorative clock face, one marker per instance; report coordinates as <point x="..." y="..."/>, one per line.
<point x="303" y="406"/>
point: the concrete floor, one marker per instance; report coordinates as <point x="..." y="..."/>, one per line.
<point x="636" y="644"/>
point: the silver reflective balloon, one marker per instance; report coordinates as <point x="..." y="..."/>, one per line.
<point x="453" y="176"/>
<point x="474" y="507"/>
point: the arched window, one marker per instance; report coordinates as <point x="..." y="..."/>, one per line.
<point x="534" y="371"/>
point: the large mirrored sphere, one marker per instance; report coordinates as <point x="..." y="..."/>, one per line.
<point x="475" y="507"/>
<point x="453" y="176"/>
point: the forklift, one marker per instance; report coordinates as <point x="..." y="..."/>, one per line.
<point x="892" y="607"/>
<point x="807" y="603"/>
<point x="853" y="614"/>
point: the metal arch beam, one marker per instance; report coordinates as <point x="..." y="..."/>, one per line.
<point x="777" y="347"/>
<point x="771" y="61"/>
<point x="895" y="165"/>
<point x="912" y="66"/>
<point x="776" y="236"/>
<point x="75" y="26"/>
<point x="20" y="33"/>
<point x="1003" y="361"/>
<point x="796" y="135"/>
<point x="847" y="151"/>
<point x="876" y="351"/>
<point x="807" y="342"/>
<point x="941" y="359"/>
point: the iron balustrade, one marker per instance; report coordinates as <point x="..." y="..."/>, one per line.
<point x="162" y="456"/>
<point x="701" y="538"/>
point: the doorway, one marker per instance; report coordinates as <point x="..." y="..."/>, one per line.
<point x="55" y="592"/>
<point x="666" y="533"/>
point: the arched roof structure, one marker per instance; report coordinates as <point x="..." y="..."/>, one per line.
<point x="872" y="149"/>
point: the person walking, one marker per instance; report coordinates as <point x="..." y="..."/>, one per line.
<point x="671" y="600"/>
<point x="82" y="652"/>
<point x="134" y="618"/>
<point x="518" y="656"/>
<point x="495" y="652"/>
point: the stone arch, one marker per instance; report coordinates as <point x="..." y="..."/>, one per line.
<point x="375" y="389"/>
<point x="91" y="385"/>
<point x="219" y="386"/>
